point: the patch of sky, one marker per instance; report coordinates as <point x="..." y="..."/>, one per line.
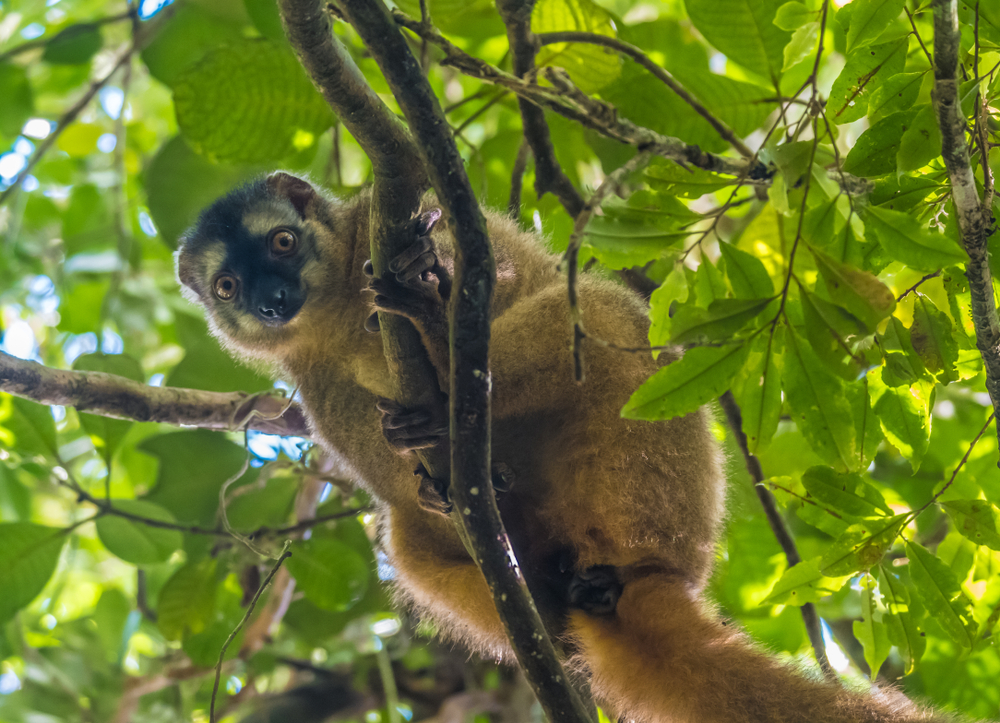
<point x="79" y="344"/>
<point x="29" y="184"/>
<point x="111" y="343"/>
<point x="267" y="446"/>
<point x="23" y="146"/>
<point x="156" y="380"/>
<point x="42" y="296"/>
<point x="19" y="340"/>
<point x="112" y="99"/>
<point x="30" y="32"/>
<point x="37" y="128"/>
<point x="149" y="8"/>
<point x="107" y="142"/>
<point x="11" y="164"/>
<point x="146" y="224"/>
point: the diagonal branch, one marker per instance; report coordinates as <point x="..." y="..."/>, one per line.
<point x="661" y="74"/>
<point x="471" y="485"/>
<point x="974" y="220"/>
<point x="549" y="176"/>
<point x="112" y="396"/>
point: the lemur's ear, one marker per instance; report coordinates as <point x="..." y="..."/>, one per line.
<point x="296" y="190"/>
<point x="187" y="269"/>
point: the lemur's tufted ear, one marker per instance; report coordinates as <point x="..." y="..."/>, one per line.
<point x="298" y="191"/>
<point x="187" y="270"/>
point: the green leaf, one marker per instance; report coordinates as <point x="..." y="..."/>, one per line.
<point x="870" y="631"/>
<point x="819" y="405"/>
<point x="187" y="600"/>
<point x="904" y="239"/>
<point x="112" y="617"/>
<point x="18" y="100"/>
<point x="901" y="193"/>
<point x="203" y="648"/>
<point x="898" y="93"/>
<point x="206" y="366"/>
<point x="720" y="322"/>
<point x="623" y="238"/>
<point x="903" y="630"/>
<point x="941" y="594"/>
<point x="793" y="15"/>
<point x="29" y="554"/>
<point x="32" y="425"/>
<point x="921" y="143"/>
<point x="864" y="72"/>
<point x="702" y="374"/>
<point x="874" y="153"/>
<point x="869" y="19"/>
<point x="109" y="432"/>
<point x="757" y="388"/>
<point x="330" y="573"/>
<point x="184" y="38"/>
<point x="829" y="329"/>
<point x="465" y="18"/>
<point x="709" y="284"/>
<point x="674" y="288"/>
<point x="849" y="494"/>
<point x="74" y="45"/>
<point x="858" y="291"/>
<point x="804" y="583"/>
<point x="978" y="520"/>
<point x="249" y="103"/>
<point x="904" y="414"/>
<point x="590" y="66"/>
<point x="861" y="546"/>
<point x="746" y="273"/>
<point x="670" y="178"/>
<point x="933" y="339"/>
<point x="138" y="542"/>
<point x="744" y="31"/>
<point x="801" y="46"/>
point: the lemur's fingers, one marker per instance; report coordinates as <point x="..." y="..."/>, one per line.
<point x="409" y="429"/>
<point x="432" y="495"/>
<point x="427" y="261"/>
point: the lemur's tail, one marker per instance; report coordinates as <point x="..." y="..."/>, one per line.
<point x="661" y="657"/>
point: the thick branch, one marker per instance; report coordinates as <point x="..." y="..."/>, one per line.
<point x="778" y="527"/>
<point x="666" y="78"/>
<point x="471" y="485"/>
<point x="113" y="396"/>
<point x="549" y="176"/>
<point x="974" y="221"/>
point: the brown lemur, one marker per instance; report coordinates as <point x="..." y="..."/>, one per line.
<point x="613" y="521"/>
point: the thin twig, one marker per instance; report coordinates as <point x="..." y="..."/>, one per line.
<point x="246" y="616"/>
<point x="662" y="74"/>
<point x="916" y="34"/>
<point x="913" y="288"/>
<point x="42" y="42"/>
<point x="517" y="180"/>
<point x="965" y="458"/>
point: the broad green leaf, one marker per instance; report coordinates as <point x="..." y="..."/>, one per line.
<point x="184" y="38"/>
<point x="330" y="573"/>
<point x="187" y="601"/>
<point x="905" y="239"/>
<point x="904" y="413"/>
<point x="860" y="292"/>
<point x="898" y="93"/>
<point x="757" y="388"/>
<point x="903" y="630"/>
<point x="640" y="231"/>
<point x="249" y="103"/>
<point x="901" y="193"/>
<point x="744" y="31"/>
<point x="864" y="72"/>
<point x="266" y="18"/>
<point x="921" y="142"/>
<point x="868" y="19"/>
<point x="861" y="546"/>
<point x="829" y="329"/>
<point x="709" y="284"/>
<point x="804" y="583"/>
<point x="874" y="153"/>
<point x="819" y="405"/>
<point x="671" y="178"/>
<point x="674" y="288"/>
<point x="941" y="594"/>
<point x="466" y="18"/>
<point x="74" y="45"/>
<point x="746" y="273"/>
<point x="793" y="15"/>
<point x="138" y="542"/>
<point x="206" y="366"/>
<point x="871" y="631"/>
<point x="590" y="66"/>
<point x="29" y="554"/>
<point x="849" y="494"/>
<point x="866" y="427"/>
<point x="88" y="223"/>
<point x="722" y="319"/>
<point x="702" y="374"/>
<point x="203" y="647"/>
<point x="978" y="520"/>
<point x="18" y="99"/>
<point x="112" y="614"/>
<point x="109" y="432"/>
<point x="933" y="339"/>
<point x="267" y="505"/>
<point x="801" y="46"/>
<point x="31" y="424"/>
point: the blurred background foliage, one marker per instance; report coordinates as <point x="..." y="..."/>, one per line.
<point x="862" y="396"/>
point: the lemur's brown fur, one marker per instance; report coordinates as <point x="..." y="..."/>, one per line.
<point x="644" y="498"/>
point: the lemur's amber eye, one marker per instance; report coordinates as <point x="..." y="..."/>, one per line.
<point x="226" y="286"/>
<point x="282" y="243"/>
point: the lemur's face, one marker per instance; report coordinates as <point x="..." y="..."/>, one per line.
<point x="251" y="261"/>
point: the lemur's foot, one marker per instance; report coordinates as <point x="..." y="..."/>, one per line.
<point x="432" y="495"/>
<point x="407" y="430"/>
<point x="595" y="590"/>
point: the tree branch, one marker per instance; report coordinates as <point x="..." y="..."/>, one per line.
<point x="112" y="396"/>
<point x="549" y="176"/>
<point x="974" y="220"/>
<point x="813" y="628"/>
<point x="471" y="485"/>
<point x="666" y="78"/>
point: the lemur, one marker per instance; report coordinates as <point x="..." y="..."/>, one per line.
<point x="614" y="522"/>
